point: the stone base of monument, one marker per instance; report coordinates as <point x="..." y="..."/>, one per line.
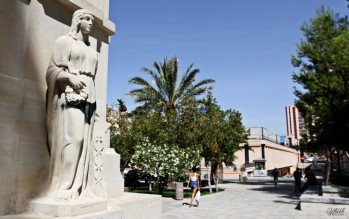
<point x="117" y="204"/>
<point x="66" y="209"/>
<point x="115" y="213"/>
<point x="128" y="206"/>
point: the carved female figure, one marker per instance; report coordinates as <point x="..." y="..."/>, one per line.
<point x="71" y="107"/>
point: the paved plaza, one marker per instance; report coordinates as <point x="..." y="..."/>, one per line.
<point x="255" y="199"/>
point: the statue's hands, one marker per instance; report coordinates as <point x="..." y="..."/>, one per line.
<point x="75" y="82"/>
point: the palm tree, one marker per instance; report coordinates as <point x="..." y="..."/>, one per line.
<point x="122" y="105"/>
<point x="165" y="92"/>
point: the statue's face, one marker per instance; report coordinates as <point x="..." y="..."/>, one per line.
<point x="86" y="23"/>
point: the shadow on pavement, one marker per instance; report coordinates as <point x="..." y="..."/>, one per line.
<point x="285" y="188"/>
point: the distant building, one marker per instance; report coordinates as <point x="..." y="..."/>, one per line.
<point x="295" y="126"/>
<point x="262" y="153"/>
<point x="283" y="140"/>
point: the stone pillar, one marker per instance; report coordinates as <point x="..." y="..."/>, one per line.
<point x="247" y="157"/>
<point x="263" y="150"/>
<point x="179" y="190"/>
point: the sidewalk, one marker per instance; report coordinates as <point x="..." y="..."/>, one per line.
<point x="255" y="199"/>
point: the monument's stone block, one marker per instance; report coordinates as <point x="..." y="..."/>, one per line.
<point x="128" y="206"/>
<point x="28" y="30"/>
<point x="113" y="177"/>
<point x="66" y="209"/>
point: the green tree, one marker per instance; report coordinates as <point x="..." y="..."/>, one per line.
<point x="175" y="131"/>
<point x="127" y="132"/>
<point x="323" y="62"/>
<point x="122" y="137"/>
<point x="166" y="91"/>
<point x="122" y="105"/>
<point x="221" y="133"/>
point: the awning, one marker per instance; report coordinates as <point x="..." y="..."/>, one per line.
<point x="259" y="160"/>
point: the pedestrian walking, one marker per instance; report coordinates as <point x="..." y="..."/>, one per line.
<point x="276" y="177"/>
<point x="310" y="180"/>
<point x="194" y="182"/>
<point x="297" y="180"/>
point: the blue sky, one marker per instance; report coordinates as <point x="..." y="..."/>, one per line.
<point x="244" y="45"/>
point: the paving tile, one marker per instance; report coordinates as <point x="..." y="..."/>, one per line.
<point x="255" y="199"/>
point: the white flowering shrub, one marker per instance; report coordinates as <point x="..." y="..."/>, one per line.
<point x="164" y="160"/>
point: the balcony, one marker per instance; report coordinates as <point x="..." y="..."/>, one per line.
<point x="262" y="134"/>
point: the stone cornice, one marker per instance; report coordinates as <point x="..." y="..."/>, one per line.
<point x="104" y="23"/>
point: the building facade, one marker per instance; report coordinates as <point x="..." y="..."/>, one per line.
<point x="294" y="124"/>
<point x="262" y="147"/>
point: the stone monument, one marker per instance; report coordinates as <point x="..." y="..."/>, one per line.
<point x="55" y="157"/>
<point x="75" y="129"/>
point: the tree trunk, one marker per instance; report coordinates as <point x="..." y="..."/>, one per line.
<point x="327" y="172"/>
<point x="219" y="172"/>
<point x="160" y="188"/>
<point x="217" y="169"/>
<point x="339" y="168"/>
<point x="209" y="176"/>
<point x="150" y="188"/>
<point x="327" y="167"/>
<point x="214" y="170"/>
<point x="215" y="179"/>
